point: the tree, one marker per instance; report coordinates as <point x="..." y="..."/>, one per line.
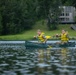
<point x="50" y="9"/>
<point x="53" y="16"/>
<point x="0" y="24"/>
<point x="69" y="2"/>
<point x="17" y="15"/>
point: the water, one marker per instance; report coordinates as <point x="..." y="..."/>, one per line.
<point x="19" y="61"/>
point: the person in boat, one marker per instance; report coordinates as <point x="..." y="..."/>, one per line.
<point x="64" y="37"/>
<point x="40" y="36"/>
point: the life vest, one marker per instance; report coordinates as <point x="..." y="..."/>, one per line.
<point x="41" y="37"/>
<point x="64" y="38"/>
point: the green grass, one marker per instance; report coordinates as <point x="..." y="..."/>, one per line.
<point x="27" y="35"/>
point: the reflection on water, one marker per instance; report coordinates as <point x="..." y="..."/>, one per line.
<point x="38" y="62"/>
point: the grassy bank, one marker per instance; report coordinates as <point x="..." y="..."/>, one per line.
<point x="26" y="35"/>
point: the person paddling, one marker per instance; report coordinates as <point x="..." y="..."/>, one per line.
<point x="64" y="36"/>
<point x="40" y="36"/>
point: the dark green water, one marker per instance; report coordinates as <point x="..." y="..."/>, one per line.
<point x="38" y="62"/>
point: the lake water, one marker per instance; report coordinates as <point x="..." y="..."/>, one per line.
<point x="16" y="60"/>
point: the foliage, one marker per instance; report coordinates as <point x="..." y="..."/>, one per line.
<point x="49" y="10"/>
<point x="19" y="15"/>
<point x="53" y="16"/>
<point x="69" y="2"/>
